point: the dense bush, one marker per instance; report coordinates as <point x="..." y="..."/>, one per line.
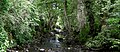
<point x="4" y="42"/>
<point x="109" y="37"/>
<point x="16" y="16"/>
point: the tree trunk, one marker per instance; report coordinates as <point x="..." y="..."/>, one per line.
<point x="81" y="14"/>
<point x="66" y="19"/>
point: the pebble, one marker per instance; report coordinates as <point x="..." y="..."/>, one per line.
<point x="42" y="50"/>
<point x="69" y="48"/>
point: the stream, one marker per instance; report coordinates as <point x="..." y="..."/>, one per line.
<point x="51" y="44"/>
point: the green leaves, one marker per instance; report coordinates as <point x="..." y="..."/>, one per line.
<point x="106" y="12"/>
<point x="4" y="5"/>
<point x="16" y="15"/>
<point x="113" y="20"/>
<point x="4" y="43"/>
<point x="22" y="16"/>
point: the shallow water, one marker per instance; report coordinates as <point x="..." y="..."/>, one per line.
<point x="50" y="45"/>
<point x="53" y="45"/>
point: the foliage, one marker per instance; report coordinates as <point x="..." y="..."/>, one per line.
<point x="83" y="36"/>
<point x="96" y="42"/>
<point x="4" y="43"/>
<point x="17" y="17"/>
<point x="107" y="11"/>
<point x="4" y="5"/>
<point x="21" y="20"/>
<point x="18" y="20"/>
<point x="101" y="42"/>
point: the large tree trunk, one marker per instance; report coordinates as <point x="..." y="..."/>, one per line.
<point x="81" y="14"/>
